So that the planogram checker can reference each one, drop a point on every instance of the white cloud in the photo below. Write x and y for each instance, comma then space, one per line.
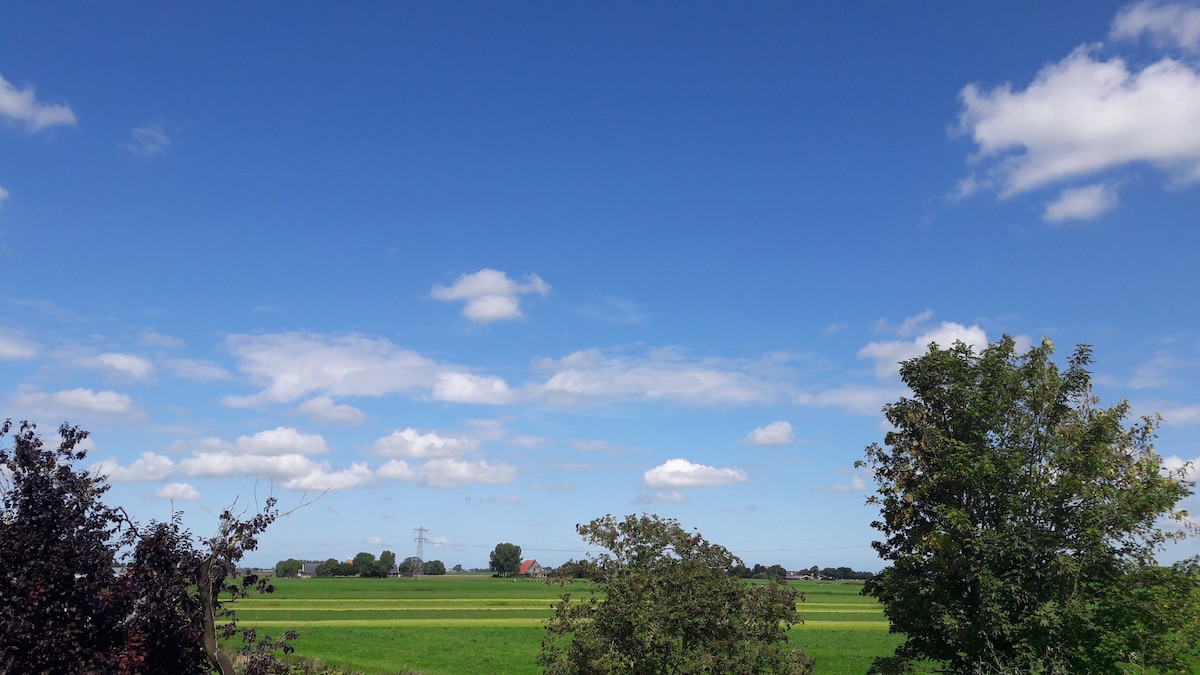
1083, 203
148, 466
490, 295
224, 464
177, 492
281, 454
411, 444
21, 106
1159, 369
1180, 415
446, 472
294, 365
397, 469
775, 433
1177, 463
147, 140
661, 375
282, 441
3, 195
657, 497
909, 327
373, 540
468, 388
13, 347
78, 400
888, 355
322, 479
680, 473
126, 364
856, 484
323, 408
1084, 115
858, 399
1167, 24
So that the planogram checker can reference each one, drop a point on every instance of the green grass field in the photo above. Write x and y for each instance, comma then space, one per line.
471, 624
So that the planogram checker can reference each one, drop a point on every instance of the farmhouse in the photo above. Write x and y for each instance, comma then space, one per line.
531, 568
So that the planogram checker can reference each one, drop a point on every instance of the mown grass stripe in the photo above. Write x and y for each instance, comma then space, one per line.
449, 623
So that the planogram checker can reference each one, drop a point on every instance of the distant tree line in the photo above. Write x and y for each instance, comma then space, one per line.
579, 569
362, 565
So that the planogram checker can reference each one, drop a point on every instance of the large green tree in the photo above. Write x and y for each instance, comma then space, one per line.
1020, 520
505, 559
288, 568
666, 601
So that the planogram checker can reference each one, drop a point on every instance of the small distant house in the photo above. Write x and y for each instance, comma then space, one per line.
531, 568
308, 569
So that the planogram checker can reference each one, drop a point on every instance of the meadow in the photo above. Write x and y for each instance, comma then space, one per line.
476, 624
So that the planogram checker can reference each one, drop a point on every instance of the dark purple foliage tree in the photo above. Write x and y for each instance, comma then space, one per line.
63, 609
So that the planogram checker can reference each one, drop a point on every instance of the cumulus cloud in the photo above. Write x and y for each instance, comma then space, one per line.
281, 453
1180, 415
888, 355
1188, 467
3, 195
680, 473
22, 107
448, 472
225, 464
1169, 25
373, 540
775, 433
1085, 114
453, 473
77, 400
147, 467
323, 408
295, 365
859, 399
411, 444
1083, 203
490, 295
323, 479
856, 484
909, 327
468, 388
282, 441
397, 469
125, 364
14, 347
147, 140
177, 492
660, 375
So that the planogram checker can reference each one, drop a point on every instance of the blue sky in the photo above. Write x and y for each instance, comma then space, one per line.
495, 269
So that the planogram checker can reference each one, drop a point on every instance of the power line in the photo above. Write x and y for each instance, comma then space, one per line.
420, 539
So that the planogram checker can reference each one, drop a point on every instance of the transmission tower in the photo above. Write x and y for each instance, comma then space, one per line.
420, 539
